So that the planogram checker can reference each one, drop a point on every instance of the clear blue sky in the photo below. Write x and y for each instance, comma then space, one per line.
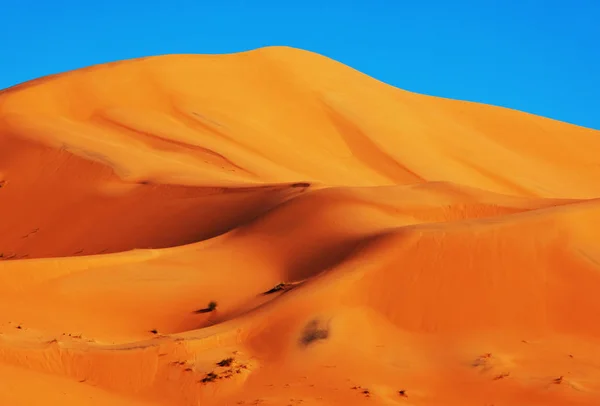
540, 56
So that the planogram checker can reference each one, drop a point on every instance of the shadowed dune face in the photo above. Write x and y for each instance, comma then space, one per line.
275, 228
63, 205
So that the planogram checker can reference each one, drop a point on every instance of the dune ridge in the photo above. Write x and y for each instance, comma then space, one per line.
363, 244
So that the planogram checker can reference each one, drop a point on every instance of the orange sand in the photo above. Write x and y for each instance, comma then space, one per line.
441, 248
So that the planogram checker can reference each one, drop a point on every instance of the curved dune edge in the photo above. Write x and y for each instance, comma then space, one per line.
431, 251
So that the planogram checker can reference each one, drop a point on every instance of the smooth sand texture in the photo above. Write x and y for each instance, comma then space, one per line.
434, 252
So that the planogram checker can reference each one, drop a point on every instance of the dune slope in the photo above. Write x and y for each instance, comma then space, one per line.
363, 244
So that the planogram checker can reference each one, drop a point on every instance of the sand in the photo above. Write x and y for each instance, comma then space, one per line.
364, 245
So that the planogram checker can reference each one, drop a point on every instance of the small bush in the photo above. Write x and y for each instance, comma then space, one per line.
212, 306
210, 377
313, 332
225, 362
276, 288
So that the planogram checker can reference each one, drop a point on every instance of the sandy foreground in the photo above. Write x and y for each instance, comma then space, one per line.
364, 245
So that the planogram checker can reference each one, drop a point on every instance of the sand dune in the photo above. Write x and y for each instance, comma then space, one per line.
363, 244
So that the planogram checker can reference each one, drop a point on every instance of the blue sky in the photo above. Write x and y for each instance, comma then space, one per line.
539, 56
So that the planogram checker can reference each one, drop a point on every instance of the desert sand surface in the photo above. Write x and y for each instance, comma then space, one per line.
364, 245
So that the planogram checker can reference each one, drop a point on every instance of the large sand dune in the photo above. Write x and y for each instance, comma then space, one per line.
364, 245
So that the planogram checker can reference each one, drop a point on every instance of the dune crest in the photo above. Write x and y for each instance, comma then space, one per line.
361, 244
